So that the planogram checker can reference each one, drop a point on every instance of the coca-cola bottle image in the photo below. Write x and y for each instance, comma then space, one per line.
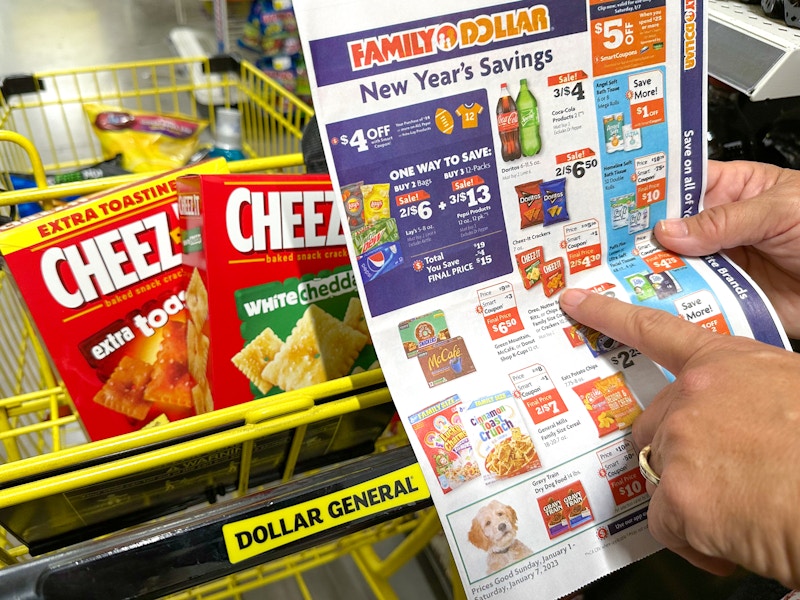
508, 126
528, 120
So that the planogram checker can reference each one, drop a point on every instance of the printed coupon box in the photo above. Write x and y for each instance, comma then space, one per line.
104, 283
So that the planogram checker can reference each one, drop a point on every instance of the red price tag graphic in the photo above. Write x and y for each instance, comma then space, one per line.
498, 305
545, 406
651, 192
504, 323
583, 245
662, 260
651, 179
627, 486
647, 113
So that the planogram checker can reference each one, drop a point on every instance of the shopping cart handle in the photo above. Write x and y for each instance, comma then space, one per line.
187, 550
14, 85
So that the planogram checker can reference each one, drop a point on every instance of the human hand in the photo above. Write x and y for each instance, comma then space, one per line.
752, 211
724, 436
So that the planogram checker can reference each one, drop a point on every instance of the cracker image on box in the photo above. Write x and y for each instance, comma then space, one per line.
499, 436
296, 345
320, 348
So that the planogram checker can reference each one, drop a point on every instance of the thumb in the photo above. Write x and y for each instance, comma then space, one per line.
743, 223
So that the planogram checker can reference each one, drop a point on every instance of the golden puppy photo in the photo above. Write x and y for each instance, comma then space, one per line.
494, 530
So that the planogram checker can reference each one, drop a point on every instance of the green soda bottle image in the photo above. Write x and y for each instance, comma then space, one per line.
528, 120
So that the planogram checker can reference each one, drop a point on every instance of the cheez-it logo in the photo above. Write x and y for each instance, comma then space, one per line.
286, 220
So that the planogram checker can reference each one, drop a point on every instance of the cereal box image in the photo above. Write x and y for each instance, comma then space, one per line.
272, 296
499, 437
440, 431
104, 283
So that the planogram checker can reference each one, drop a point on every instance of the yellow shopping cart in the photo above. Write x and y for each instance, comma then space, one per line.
49, 473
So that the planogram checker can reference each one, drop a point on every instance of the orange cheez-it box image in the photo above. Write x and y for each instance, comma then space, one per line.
104, 283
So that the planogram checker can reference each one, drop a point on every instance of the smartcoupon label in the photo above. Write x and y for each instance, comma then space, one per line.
257, 535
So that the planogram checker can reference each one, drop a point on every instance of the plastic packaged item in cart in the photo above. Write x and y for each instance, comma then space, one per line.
104, 282
146, 140
106, 168
228, 137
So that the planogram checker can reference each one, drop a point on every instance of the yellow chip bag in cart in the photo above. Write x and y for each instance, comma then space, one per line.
147, 141
376, 202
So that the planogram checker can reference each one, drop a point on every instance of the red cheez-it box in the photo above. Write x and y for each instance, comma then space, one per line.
272, 297
105, 286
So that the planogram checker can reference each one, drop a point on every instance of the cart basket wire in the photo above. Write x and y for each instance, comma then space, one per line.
44, 457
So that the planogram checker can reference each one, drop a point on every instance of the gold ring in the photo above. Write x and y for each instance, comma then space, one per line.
646, 469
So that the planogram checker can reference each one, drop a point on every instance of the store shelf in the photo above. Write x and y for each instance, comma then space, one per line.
753, 54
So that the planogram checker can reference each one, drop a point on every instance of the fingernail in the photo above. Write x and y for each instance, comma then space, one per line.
674, 227
571, 298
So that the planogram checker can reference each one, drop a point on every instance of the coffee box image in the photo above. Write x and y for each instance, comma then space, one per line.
272, 298
103, 280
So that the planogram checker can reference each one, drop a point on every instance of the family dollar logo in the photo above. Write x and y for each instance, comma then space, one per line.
443, 37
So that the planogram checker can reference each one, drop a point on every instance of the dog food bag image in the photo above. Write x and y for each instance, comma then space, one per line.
494, 530
565, 509
500, 438
440, 431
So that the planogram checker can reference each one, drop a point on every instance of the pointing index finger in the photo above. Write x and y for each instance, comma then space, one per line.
662, 337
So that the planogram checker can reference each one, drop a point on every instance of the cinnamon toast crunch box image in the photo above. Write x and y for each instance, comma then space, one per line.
272, 297
104, 283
